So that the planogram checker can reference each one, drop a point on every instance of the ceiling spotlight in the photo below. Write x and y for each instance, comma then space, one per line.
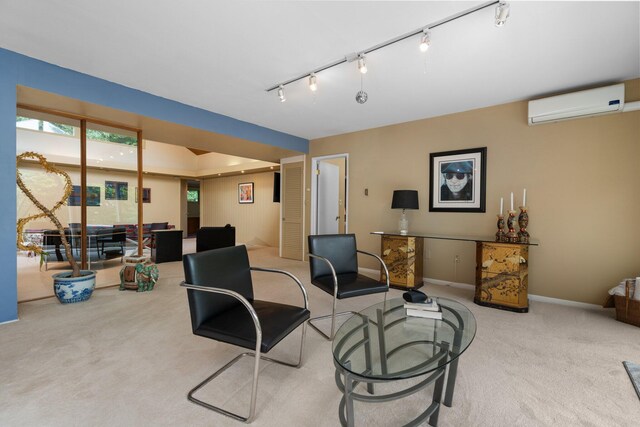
425, 41
281, 93
362, 66
502, 13
313, 83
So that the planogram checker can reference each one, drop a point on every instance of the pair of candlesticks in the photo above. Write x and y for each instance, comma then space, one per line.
511, 236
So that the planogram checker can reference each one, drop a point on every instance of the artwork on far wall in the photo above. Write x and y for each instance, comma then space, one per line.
116, 190
146, 195
245, 192
457, 180
93, 196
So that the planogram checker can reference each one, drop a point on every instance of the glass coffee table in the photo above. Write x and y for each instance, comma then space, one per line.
381, 344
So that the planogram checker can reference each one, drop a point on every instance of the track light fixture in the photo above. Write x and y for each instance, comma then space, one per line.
362, 65
502, 13
425, 40
313, 83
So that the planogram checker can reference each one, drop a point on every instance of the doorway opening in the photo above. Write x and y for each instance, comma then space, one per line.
193, 207
330, 194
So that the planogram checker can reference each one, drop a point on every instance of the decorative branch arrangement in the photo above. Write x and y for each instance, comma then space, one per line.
45, 212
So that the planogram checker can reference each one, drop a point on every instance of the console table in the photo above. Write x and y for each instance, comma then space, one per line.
502, 272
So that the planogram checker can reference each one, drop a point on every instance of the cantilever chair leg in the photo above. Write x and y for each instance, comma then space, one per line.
254, 388
333, 316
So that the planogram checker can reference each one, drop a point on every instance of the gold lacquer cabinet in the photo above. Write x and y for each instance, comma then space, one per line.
502, 276
403, 256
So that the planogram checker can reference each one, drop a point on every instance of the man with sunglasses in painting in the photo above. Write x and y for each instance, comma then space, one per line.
458, 182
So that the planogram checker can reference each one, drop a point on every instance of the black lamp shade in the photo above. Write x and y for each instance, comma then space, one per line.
405, 199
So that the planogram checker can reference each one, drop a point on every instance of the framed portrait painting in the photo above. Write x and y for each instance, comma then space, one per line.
245, 192
458, 180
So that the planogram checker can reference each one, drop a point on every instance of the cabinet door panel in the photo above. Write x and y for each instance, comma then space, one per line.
502, 288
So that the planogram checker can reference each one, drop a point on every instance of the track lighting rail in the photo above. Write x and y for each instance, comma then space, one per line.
355, 56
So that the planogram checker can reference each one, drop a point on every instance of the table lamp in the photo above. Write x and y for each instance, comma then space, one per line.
404, 199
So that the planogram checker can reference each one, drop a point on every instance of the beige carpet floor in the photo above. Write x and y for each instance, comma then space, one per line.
128, 359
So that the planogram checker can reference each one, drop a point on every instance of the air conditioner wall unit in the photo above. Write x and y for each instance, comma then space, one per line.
602, 100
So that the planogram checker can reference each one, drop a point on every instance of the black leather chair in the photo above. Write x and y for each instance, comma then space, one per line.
208, 238
334, 269
223, 308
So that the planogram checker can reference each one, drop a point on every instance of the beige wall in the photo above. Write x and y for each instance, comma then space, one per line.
256, 223
164, 206
581, 177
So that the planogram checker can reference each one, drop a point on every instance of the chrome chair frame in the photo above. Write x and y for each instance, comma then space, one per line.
256, 354
335, 295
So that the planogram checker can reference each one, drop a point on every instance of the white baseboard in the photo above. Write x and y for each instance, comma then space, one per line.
9, 321
540, 298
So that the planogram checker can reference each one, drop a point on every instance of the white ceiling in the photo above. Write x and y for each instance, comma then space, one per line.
222, 55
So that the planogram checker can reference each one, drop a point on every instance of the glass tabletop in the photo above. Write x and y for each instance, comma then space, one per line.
382, 342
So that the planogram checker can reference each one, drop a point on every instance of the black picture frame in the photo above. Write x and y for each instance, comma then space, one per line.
465, 189
245, 192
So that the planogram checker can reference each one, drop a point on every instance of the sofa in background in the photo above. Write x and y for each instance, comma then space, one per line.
215, 237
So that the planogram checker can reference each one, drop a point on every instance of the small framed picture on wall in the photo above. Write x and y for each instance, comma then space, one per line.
245, 192
146, 195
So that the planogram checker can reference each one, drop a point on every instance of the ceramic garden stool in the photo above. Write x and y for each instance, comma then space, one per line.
138, 274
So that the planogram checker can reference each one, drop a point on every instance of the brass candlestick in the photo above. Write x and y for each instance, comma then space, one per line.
500, 235
512, 236
523, 222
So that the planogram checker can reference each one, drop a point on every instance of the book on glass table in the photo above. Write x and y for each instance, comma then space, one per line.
429, 305
426, 314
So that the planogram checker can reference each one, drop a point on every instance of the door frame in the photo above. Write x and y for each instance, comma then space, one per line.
314, 190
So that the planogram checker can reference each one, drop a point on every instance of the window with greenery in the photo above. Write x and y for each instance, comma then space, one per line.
98, 135
193, 196
62, 129
44, 126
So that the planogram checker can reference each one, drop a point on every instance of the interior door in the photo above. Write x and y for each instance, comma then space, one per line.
328, 211
292, 210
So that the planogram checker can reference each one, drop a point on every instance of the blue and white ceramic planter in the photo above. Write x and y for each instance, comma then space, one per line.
74, 289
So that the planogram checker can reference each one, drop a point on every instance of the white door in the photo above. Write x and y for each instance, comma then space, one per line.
328, 198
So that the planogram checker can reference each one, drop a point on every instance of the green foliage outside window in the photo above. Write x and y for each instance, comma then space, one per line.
98, 135
193, 196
